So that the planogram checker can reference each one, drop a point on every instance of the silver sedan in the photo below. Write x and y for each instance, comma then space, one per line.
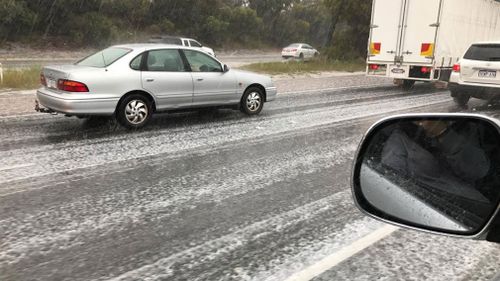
133, 81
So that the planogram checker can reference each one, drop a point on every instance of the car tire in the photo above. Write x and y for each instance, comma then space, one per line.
460, 99
408, 84
252, 101
134, 111
301, 56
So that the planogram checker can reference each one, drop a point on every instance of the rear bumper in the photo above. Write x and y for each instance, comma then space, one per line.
271, 93
408, 71
75, 104
477, 91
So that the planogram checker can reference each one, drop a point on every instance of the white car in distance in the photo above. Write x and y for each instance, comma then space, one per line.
181, 41
299, 51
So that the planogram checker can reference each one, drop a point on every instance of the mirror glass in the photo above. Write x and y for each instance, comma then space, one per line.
437, 173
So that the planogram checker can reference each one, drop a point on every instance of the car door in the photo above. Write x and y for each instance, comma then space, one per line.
166, 76
212, 86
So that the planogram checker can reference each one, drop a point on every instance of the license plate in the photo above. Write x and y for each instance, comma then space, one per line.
487, 74
398, 71
51, 83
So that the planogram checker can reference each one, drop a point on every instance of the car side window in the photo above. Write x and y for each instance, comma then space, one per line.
201, 62
194, 44
168, 60
136, 63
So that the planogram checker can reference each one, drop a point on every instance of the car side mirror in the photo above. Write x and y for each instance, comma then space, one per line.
226, 68
439, 173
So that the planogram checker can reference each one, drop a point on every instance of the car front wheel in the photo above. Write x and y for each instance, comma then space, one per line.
252, 101
134, 111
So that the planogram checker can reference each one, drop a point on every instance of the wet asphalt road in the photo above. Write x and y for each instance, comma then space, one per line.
213, 195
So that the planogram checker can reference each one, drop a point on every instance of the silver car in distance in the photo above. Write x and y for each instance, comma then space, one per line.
133, 81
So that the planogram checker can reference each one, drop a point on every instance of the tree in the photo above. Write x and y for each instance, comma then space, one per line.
353, 16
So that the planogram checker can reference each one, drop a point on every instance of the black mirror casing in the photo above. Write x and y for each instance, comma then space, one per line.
225, 68
416, 200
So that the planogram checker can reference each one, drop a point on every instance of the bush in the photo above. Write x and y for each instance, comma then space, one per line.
343, 47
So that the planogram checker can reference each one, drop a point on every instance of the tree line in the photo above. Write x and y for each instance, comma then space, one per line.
340, 27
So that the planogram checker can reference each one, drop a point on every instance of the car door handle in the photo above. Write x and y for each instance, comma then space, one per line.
149, 80
199, 79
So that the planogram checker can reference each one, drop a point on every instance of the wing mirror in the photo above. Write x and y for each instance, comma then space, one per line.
226, 68
437, 173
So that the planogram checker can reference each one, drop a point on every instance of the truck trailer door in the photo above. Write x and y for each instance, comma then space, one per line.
387, 17
421, 22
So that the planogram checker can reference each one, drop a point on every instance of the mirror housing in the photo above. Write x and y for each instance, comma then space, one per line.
225, 68
438, 173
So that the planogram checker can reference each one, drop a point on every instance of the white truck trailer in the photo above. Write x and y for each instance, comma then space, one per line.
420, 40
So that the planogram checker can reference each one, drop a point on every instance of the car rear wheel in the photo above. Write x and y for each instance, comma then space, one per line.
460, 99
134, 111
252, 101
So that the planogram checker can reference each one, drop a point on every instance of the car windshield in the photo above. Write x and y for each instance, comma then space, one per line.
104, 58
484, 52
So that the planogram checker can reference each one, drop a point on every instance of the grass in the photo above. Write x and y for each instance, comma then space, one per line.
298, 67
21, 79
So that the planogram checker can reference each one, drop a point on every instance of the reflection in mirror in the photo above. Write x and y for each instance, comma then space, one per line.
439, 174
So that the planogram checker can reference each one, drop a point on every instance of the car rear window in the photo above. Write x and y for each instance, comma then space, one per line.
483, 52
104, 58
294, 46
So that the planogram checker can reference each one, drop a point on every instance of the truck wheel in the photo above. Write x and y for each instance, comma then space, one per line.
252, 101
408, 84
134, 111
461, 99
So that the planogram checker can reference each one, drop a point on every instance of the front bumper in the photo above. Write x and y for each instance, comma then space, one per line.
74, 103
271, 93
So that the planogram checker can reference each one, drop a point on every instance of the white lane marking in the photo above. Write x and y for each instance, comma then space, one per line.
334, 89
343, 254
12, 167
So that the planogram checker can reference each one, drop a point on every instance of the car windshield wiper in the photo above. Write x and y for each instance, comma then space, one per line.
494, 59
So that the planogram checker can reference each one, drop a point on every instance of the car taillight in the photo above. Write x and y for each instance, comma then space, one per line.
294, 50
456, 67
373, 66
71, 86
426, 69
43, 81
